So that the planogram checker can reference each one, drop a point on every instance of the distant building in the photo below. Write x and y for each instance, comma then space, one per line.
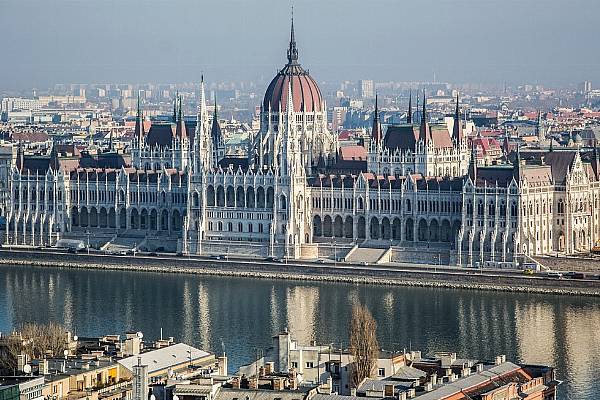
19, 104
367, 88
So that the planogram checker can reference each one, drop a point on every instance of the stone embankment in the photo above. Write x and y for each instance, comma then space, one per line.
343, 273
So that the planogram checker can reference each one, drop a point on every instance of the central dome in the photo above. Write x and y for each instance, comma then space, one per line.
306, 95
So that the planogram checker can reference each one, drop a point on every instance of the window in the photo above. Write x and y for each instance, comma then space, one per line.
309, 364
295, 364
381, 372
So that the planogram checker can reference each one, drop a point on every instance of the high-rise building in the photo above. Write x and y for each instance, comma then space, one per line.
367, 88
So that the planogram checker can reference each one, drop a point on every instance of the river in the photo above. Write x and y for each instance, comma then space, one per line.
241, 314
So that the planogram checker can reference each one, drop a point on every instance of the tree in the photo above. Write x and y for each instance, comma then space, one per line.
364, 346
34, 340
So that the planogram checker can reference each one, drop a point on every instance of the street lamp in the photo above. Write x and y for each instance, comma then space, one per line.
334, 254
87, 232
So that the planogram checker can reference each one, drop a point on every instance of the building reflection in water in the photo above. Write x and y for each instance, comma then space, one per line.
245, 313
301, 306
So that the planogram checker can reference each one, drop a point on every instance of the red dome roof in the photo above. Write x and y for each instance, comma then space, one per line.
305, 92
306, 95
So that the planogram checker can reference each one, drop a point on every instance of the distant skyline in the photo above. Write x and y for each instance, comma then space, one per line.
551, 42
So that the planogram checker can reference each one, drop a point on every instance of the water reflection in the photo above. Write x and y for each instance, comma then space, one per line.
243, 314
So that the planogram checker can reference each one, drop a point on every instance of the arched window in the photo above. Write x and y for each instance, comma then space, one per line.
282, 202
561, 206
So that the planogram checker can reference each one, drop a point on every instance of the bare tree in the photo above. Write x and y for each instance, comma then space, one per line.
364, 346
34, 340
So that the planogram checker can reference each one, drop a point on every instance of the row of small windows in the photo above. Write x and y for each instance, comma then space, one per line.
240, 227
240, 198
491, 208
34, 196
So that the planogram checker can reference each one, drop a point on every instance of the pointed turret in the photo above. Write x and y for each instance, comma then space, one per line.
215, 131
376, 129
292, 53
518, 164
139, 123
473, 163
180, 130
424, 131
457, 128
20, 161
54, 161
539, 129
174, 118
409, 114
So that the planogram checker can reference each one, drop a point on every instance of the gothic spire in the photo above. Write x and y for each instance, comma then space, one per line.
139, 122
409, 115
457, 128
376, 130
473, 162
424, 125
180, 130
215, 131
292, 53
174, 118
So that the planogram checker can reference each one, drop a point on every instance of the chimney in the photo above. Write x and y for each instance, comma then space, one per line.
261, 372
223, 365
388, 391
479, 367
498, 360
43, 367
433, 378
253, 383
411, 393
293, 384
269, 367
293, 378
428, 387
235, 382
402, 396
353, 392
278, 384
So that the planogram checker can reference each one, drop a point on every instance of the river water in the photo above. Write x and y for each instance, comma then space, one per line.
241, 314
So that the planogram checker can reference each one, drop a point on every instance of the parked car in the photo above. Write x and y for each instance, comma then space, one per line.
554, 274
528, 271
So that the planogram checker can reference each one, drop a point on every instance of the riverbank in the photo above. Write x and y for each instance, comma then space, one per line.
304, 271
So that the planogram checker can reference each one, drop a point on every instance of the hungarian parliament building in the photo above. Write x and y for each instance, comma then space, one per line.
419, 192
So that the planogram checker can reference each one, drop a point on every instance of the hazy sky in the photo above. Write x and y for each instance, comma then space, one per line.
483, 41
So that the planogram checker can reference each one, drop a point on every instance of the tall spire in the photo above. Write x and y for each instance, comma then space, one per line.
423, 133
174, 118
457, 128
292, 53
139, 122
180, 130
202, 107
539, 128
473, 162
215, 131
376, 130
409, 115
180, 114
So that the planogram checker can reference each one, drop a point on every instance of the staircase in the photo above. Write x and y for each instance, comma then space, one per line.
367, 255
